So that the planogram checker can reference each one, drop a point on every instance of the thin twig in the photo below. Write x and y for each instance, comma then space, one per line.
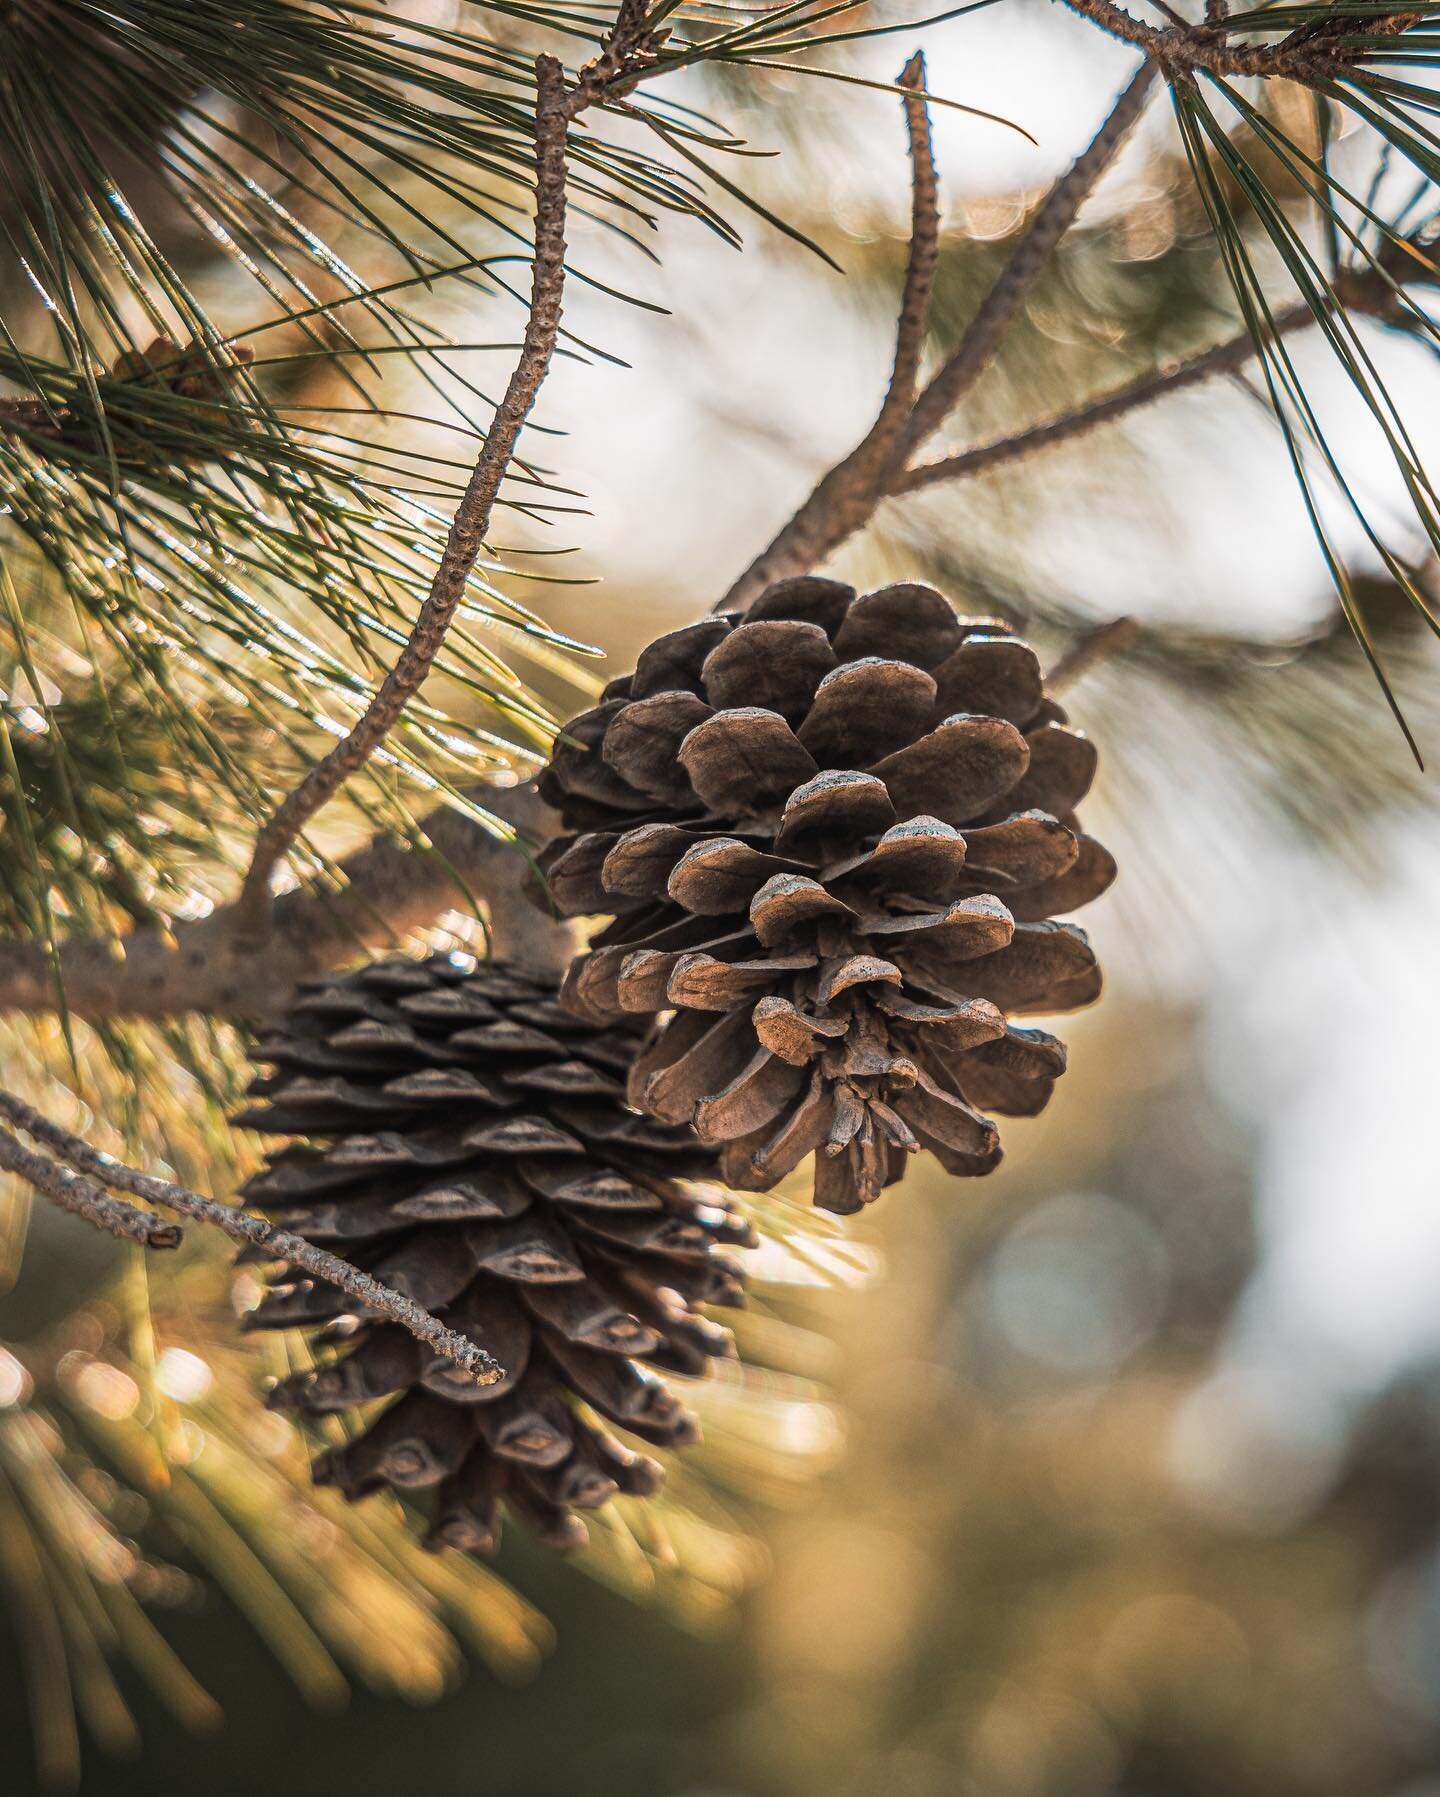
1089, 650
1221, 358
243, 1226
221, 969
472, 516
847, 495
919, 269
1049, 222
626, 55
85, 1198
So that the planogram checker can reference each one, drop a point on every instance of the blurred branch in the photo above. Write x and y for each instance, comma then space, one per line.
1221, 358
847, 496
218, 967
1089, 649
85, 1198
241, 1226
919, 269
1042, 233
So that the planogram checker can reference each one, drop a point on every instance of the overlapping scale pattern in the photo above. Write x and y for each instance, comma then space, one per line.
468, 1142
833, 834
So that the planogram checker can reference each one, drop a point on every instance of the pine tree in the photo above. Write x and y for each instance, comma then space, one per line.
250, 637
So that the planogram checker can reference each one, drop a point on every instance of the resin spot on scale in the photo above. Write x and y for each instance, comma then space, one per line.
468, 1142
833, 834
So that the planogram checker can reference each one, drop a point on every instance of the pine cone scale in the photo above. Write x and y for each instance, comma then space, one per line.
740, 761
991, 676
774, 664
866, 710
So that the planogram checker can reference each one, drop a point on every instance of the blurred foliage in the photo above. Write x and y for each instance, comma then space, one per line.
112, 1447
140, 1471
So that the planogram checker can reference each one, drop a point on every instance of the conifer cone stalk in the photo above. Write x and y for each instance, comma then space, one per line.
468, 1142
833, 832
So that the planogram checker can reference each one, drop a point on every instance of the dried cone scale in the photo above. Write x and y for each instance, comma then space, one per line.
832, 833
468, 1143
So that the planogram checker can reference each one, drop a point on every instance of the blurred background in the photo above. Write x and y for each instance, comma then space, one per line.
1116, 1474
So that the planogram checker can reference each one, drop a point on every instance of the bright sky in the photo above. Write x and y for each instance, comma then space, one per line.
1335, 1057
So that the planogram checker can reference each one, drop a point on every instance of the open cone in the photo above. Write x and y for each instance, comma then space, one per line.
833, 834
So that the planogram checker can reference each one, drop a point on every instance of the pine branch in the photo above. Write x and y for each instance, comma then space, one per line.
848, 495
1312, 53
97, 1170
1089, 650
85, 1198
919, 270
1144, 390
471, 520
221, 969
626, 54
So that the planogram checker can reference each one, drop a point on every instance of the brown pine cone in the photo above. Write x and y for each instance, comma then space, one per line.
469, 1145
138, 441
832, 832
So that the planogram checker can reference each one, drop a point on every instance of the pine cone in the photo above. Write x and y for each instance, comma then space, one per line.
192, 374
831, 832
477, 1155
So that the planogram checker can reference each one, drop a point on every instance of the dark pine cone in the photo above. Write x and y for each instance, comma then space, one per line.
470, 1146
831, 831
